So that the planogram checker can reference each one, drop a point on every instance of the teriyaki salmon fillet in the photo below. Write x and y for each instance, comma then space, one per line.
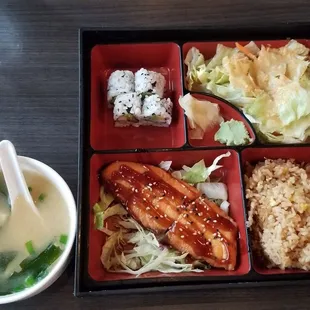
166, 205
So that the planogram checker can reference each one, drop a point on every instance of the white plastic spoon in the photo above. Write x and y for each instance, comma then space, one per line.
24, 222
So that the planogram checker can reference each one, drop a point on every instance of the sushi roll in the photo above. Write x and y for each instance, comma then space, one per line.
127, 110
156, 111
149, 82
120, 82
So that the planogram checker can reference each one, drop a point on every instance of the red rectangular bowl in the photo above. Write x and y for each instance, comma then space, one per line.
253, 156
208, 49
231, 176
160, 57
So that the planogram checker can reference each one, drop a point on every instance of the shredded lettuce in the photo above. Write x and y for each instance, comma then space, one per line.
221, 52
199, 172
271, 85
193, 60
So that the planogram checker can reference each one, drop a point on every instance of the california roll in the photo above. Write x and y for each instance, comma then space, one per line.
120, 82
149, 82
127, 110
156, 111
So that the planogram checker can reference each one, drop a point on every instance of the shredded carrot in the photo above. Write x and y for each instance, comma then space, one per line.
245, 51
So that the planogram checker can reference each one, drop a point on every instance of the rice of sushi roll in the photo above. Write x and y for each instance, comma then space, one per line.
157, 111
120, 82
149, 82
127, 110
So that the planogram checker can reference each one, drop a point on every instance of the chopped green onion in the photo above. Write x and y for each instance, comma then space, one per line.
63, 239
29, 247
42, 197
27, 260
30, 281
33, 269
42, 274
42, 261
30, 189
18, 289
97, 208
99, 220
48, 256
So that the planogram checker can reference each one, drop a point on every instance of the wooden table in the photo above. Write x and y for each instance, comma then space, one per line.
39, 111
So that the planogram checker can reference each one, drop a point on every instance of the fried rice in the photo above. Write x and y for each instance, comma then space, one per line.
278, 193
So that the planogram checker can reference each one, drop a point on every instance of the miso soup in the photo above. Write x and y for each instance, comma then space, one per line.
22, 264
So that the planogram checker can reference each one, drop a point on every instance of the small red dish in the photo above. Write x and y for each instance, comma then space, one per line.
230, 174
228, 112
254, 155
159, 57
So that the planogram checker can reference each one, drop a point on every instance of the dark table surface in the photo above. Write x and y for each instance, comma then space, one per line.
39, 111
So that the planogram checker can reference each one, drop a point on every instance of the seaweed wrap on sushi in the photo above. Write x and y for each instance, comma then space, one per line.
120, 82
127, 110
156, 111
149, 82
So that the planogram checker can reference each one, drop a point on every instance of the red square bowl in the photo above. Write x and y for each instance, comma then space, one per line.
159, 57
230, 173
228, 112
253, 156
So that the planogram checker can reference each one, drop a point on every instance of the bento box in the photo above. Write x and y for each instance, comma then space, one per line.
191, 174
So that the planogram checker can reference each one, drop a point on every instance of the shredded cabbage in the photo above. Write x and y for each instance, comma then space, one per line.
165, 165
98, 220
178, 174
225, 206
108, 248
213, 190
106, 231
117, 209
271, 85
105, 199
153, 256
146, 255
199, 172
103, 210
